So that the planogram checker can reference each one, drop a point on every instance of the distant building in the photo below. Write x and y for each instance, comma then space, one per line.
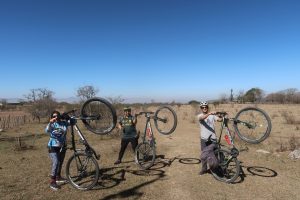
14, 101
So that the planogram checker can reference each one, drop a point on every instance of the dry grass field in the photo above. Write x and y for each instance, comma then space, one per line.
24, 171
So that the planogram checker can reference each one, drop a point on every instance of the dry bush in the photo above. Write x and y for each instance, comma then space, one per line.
282, 147
290, 145
293, 143
289, 118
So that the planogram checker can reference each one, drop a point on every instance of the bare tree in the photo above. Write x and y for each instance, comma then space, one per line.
116, 100
31, 96
290, 94
44, 93
240, 96
87, 92
43, 102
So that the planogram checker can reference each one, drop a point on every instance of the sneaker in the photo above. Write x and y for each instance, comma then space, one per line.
54, 186
117, 162
60, 179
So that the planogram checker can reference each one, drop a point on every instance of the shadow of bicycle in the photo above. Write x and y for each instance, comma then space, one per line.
255, 171
132, 192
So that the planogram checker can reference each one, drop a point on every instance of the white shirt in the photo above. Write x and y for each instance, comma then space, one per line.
207, 126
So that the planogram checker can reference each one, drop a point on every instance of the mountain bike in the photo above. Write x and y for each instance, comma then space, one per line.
165, 121
98, 115
252, 125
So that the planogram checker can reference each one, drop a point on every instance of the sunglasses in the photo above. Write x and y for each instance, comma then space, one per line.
204, 107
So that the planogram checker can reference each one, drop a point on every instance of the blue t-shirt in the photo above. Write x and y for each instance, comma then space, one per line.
57, 132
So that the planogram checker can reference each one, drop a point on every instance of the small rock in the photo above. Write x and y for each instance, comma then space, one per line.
294, 154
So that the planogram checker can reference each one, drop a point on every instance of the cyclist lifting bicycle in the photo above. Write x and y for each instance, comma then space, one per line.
127, 124
251, 124
207, 133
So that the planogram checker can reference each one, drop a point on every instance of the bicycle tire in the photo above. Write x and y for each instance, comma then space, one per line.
165, 120
257, 127
77, 171
229, 167
106, 118
145, 155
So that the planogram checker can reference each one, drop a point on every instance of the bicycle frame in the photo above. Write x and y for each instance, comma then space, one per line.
229, 137
148, 133
228, 134
88, 149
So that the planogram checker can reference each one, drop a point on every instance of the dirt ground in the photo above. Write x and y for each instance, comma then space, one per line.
25, 173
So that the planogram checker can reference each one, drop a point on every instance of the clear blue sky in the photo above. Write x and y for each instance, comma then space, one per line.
152, 49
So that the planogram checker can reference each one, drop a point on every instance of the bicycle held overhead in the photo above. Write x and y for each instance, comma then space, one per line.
165, 121
252, 125
98, 115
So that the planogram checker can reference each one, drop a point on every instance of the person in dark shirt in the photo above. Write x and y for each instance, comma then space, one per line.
127, 124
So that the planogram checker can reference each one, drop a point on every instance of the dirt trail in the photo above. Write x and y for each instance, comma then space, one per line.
24, 174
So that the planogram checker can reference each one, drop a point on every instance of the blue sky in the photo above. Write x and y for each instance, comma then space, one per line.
149, 49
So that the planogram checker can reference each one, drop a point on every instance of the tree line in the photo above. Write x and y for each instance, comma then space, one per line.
257, 95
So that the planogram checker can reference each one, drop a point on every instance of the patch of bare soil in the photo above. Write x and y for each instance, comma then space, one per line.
24, 173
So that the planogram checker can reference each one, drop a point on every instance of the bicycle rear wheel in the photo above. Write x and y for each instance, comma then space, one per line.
98, 115
253, 125
82, 171
145, 155
229, 166
165, 120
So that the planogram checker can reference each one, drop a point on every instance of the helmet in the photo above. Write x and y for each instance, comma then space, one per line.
203, 103
127, 109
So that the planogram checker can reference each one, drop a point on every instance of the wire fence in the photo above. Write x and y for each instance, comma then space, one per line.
11, 121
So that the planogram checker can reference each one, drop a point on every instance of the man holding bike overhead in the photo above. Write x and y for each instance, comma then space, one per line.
207, 132
127, 124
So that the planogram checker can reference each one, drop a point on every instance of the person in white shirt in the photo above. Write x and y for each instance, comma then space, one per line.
207, 130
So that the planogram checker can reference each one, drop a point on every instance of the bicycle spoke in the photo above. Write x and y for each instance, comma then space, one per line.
229, 167
252, 124
98, 115
82, 171
145, 155
165, 120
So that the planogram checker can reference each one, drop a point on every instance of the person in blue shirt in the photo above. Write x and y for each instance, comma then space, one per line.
127, 123
57, 130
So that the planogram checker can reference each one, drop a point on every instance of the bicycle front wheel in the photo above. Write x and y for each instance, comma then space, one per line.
82, 171
229, 166
98, 115
145, 155
253, 125
165, 120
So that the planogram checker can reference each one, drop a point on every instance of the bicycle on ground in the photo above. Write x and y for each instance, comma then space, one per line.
252, 125
165, 121
99, 116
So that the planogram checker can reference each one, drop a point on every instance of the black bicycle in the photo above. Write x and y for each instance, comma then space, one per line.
99, 116
165, 121
252, 125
